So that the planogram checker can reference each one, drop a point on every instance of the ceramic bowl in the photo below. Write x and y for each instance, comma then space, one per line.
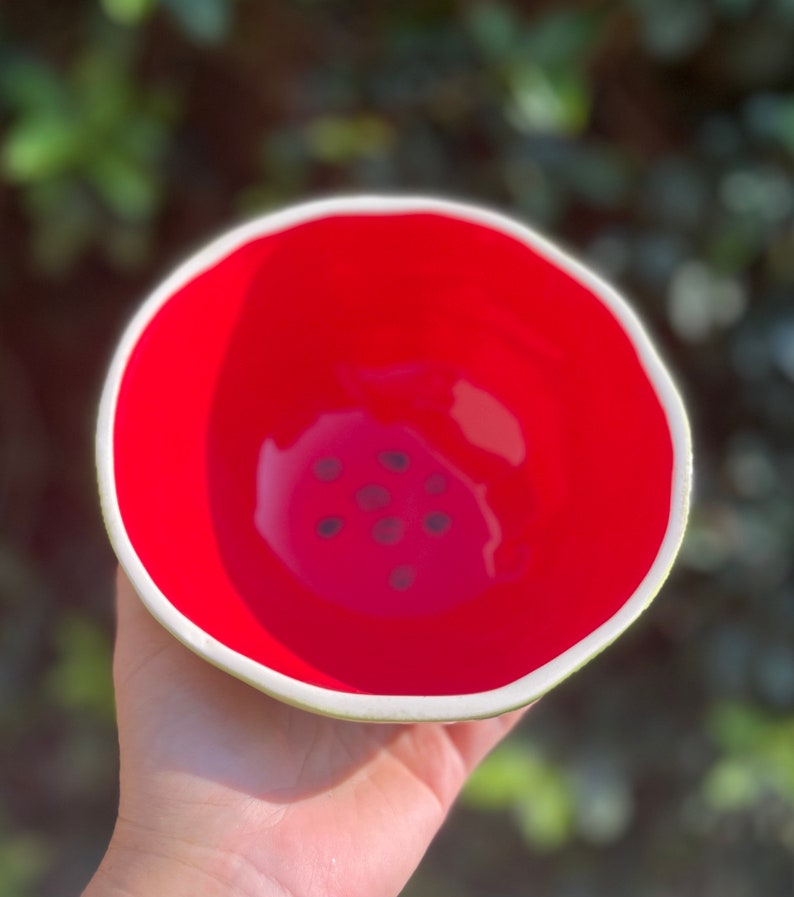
392, 459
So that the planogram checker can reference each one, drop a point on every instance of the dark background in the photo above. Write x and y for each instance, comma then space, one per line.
655, 138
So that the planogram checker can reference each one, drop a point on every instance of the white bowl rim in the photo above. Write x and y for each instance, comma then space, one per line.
394, 708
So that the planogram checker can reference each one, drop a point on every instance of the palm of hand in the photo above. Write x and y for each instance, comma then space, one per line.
259, 797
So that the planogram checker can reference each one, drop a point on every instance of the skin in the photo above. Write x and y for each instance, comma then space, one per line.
225, 791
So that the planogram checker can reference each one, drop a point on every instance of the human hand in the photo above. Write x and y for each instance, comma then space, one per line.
225, 791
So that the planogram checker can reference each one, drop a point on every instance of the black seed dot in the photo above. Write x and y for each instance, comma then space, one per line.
435, 484
328, 527
437, 523
388, 530
373, 497
398, 462
402, 577
327, 469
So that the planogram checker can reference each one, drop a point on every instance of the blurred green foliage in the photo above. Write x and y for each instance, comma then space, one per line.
23, 861
553, 802
756, 763
656, 139
79, 678
86, 148
204, 21
536, 791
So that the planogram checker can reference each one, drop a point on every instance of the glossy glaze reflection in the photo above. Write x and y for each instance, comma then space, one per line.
371, 516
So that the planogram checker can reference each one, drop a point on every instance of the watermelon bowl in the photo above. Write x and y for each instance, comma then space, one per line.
392, 459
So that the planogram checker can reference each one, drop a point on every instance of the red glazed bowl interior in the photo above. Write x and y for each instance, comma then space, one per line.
394, 454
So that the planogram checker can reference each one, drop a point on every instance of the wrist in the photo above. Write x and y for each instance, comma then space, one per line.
135, 865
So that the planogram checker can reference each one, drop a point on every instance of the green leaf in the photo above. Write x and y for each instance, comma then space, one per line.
81, 676
38, 147
539, 794
504, 775
23, 863
338, 139
674, 29
103, 91
547, 102
731, 785
561, 39
31, 85
546, 815
204, 21
127, 12
144, 137
757, 758
130, 190
495, 29
737, 728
